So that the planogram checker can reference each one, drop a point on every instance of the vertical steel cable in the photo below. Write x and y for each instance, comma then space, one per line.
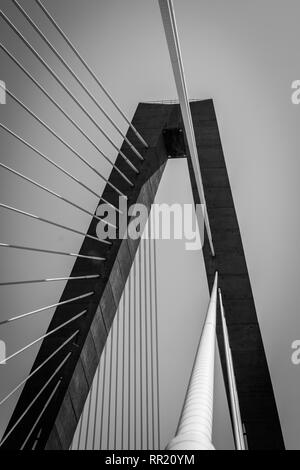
134, 356
156, 333
141, 344
110, 383
123, 370
103, 396
151, 328
234, 401
117, 378
146, 342
129, 360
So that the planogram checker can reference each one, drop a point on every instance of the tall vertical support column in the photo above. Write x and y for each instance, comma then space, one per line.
195, 426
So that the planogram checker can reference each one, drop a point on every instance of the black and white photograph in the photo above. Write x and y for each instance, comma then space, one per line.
149, 228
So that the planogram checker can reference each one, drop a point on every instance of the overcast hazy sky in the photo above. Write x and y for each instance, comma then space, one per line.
244, 56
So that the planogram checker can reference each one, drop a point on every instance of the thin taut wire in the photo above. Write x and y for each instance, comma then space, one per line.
62, 110
88, 68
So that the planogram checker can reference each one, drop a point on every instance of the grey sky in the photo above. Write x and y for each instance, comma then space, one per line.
243, 55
